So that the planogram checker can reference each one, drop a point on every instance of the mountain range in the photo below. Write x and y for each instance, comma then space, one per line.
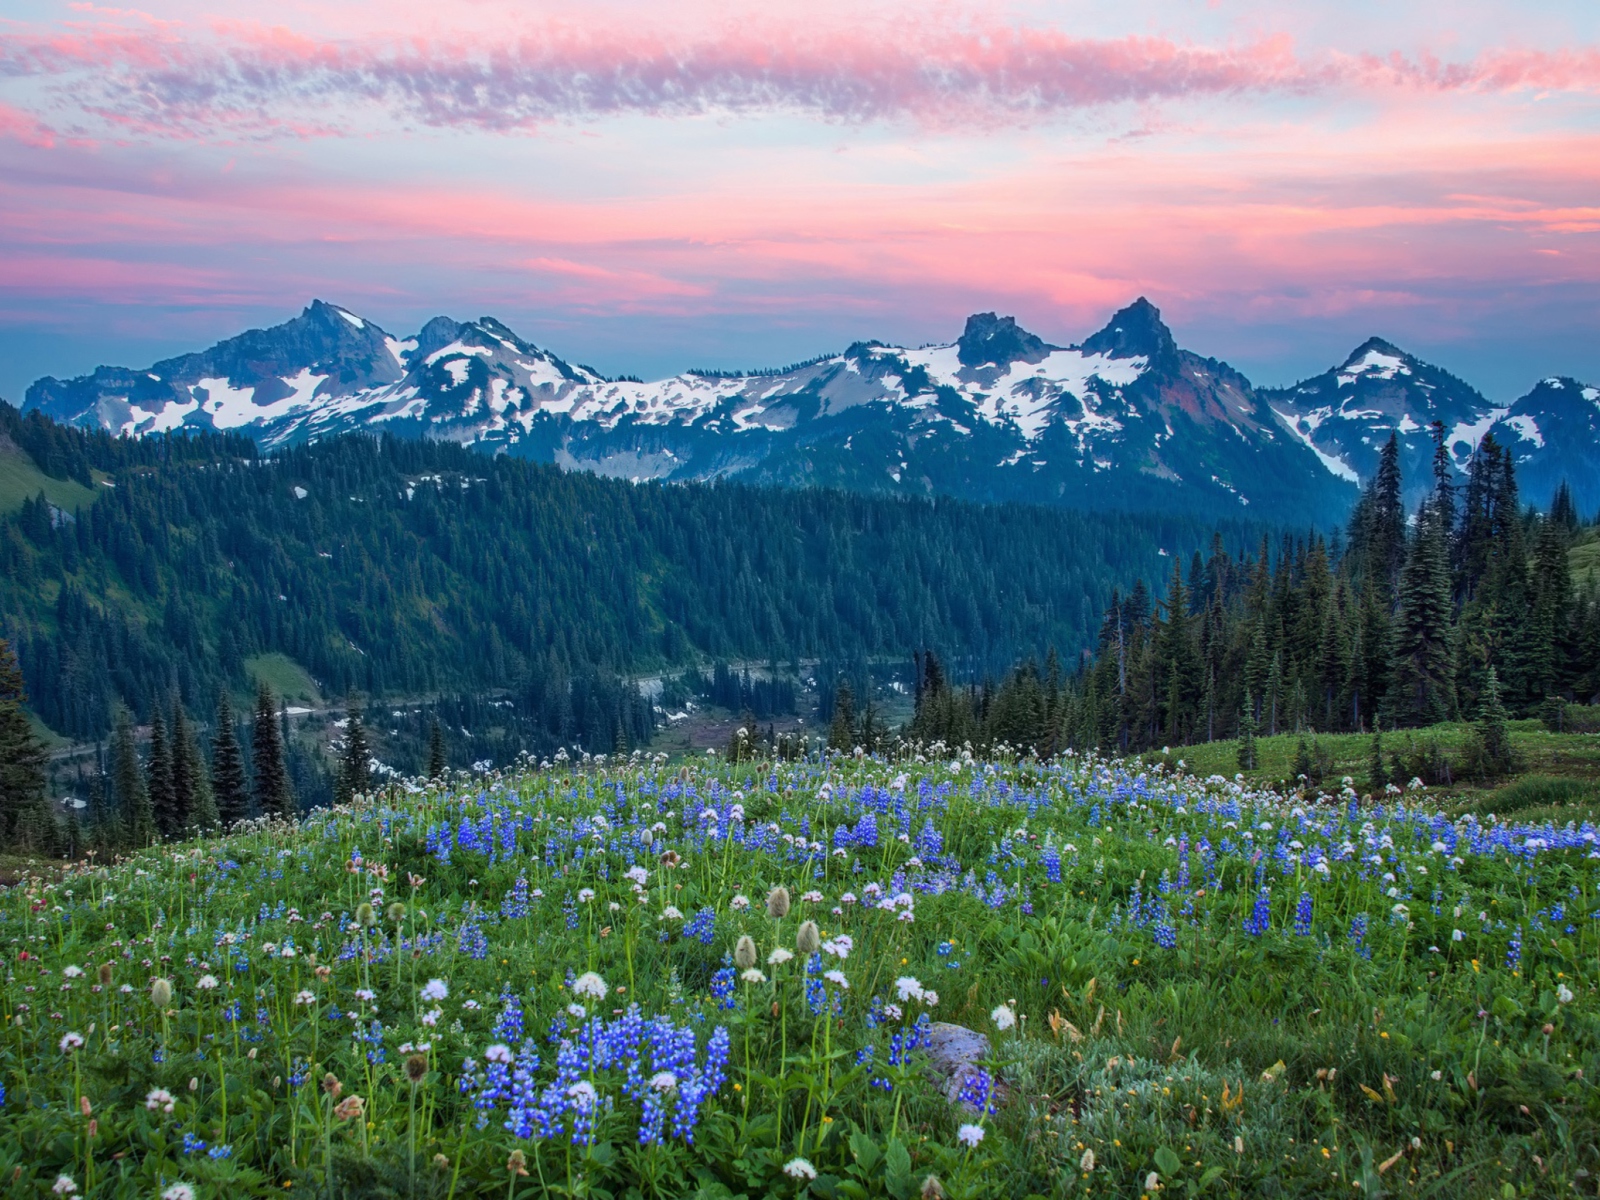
1124, 419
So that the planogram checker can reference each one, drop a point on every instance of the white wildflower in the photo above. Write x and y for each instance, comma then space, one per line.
1003, 1016
800, 1168
590, 985
970, 1135
435, 990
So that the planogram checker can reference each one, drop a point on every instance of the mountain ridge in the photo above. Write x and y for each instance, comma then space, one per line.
1123, 419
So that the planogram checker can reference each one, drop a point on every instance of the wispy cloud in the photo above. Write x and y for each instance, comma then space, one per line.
254, 80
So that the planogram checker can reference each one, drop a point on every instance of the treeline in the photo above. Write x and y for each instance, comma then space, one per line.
1399, 623
420, 569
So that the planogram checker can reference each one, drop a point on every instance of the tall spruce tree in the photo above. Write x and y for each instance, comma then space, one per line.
1492, 738
23, 803
274, 797
1423, 686
189, 782
437, 762
841, 730
138, 817
158, 781
355, 769
229, 787
1247, 734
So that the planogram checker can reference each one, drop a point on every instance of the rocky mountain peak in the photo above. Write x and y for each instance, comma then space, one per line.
998, 340
1134, 331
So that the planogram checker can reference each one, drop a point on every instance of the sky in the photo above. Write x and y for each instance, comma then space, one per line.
648, 187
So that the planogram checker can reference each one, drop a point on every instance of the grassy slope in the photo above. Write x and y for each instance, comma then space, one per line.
1540, 750
20, 480
287, 678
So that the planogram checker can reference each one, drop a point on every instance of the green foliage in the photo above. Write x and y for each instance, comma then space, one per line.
24, 817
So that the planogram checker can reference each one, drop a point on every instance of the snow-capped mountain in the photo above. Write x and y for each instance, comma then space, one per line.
1347, 414
1124, 419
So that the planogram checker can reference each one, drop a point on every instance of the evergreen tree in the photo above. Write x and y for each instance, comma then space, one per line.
1303, 770
1492, 748
229, 787
437, 763
132, 797
1377, 777
841, 730
1247, 734
274, 797
158, 781
23, 803
355, 765
189, 783
1423, 686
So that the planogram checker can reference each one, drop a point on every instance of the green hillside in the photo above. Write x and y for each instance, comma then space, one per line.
21, 480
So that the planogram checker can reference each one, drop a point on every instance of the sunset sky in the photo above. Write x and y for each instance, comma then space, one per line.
650, 187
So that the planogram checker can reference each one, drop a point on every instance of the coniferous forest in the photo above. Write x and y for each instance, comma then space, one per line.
1400, 620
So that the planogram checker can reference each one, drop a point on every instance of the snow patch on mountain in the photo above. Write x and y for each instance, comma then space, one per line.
1336, 466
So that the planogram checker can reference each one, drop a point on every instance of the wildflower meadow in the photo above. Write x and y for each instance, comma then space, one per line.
628, 978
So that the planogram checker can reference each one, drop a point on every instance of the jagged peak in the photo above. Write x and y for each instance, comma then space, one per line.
991, 339
1134, 331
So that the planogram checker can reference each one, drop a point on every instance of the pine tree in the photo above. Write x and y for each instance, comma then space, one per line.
841, 731
22, 756
437, 763
1423, 685
1247, 734
158, 781
1377, 777
355, 769
1303, 770
137, 815
189, 783
274, 797
1493, 739
229, 787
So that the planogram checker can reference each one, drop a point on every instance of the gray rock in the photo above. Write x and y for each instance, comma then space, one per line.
955, 1053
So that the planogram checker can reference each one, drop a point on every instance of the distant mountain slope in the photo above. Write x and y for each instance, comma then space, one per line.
1125, 419
1347, 413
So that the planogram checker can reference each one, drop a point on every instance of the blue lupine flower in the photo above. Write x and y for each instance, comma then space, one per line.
1302, 915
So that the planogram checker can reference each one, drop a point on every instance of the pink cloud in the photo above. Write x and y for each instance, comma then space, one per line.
22, 127
239, 79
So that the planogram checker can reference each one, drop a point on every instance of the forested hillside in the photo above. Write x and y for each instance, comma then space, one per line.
414, 568
1465, 607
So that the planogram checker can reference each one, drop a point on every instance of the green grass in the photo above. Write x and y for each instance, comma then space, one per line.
1538, 750
287, 678
20, 480
1585, 559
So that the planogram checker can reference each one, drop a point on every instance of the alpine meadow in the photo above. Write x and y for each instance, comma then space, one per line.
815, 602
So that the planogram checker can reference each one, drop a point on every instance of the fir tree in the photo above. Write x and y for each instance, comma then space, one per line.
158, 781
1423, 686
189, 783
22, 756
841, 730
274, 797
229, 787
1492, 747
137, 815
437, 763
1247, 734
355, 767
1377, 777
